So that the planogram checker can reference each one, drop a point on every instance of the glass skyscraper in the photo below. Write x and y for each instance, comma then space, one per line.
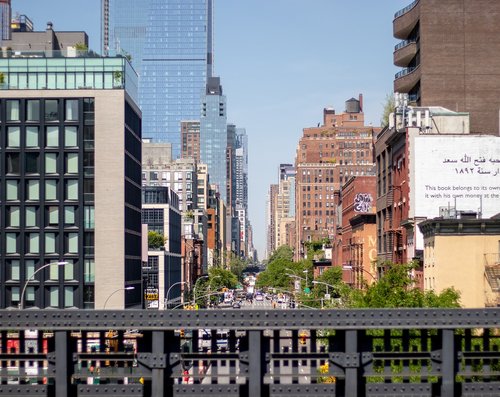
214, 135
173, 41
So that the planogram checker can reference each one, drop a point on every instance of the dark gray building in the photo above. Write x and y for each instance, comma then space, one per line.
71, 184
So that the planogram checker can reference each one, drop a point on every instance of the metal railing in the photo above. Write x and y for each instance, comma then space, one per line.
406, 9
404, 43
405, 72
383, 352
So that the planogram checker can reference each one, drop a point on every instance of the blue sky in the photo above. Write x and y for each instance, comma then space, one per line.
280, 62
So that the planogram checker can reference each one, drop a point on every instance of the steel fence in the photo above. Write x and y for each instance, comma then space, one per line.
386, 352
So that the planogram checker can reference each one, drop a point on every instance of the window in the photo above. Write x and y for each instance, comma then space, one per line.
33, 243
32, 163
52, 136
13, 110
50, 163
53, 215
70, 136
72, 163
13, 136
30, 219
29, 294
89, 217
71, 110
50, 243
72, 189
33, 190
69, 215
54, 271
32, 136
10, 243
69, 270
51, 110
89, 271
68, 296
15, 294
12, 190
72, 243
13, 216
29, 266
13, 166
50, 189
33, 110
53, 296
14, 270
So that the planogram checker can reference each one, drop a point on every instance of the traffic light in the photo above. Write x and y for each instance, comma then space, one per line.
182, 334
303, 338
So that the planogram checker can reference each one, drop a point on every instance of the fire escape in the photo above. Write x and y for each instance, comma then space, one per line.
393, 231
492, 274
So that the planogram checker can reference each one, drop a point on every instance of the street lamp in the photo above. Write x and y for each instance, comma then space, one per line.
194, 287
327, 285
173, 285
349, 267
21, 301
130, 288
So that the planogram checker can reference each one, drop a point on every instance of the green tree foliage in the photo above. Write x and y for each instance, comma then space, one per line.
237, 265
388, 109
155, 240
284, 252
396, 289
219, 278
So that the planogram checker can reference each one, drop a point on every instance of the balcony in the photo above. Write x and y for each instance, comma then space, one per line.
406, 79
406, 19
404, 52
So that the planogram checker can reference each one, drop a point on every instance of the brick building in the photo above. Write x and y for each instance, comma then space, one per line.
450, 58
359, 234
327, 157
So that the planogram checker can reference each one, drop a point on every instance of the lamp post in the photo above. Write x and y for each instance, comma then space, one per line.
173, 285
194, 287
21, 301
130, 288
349, 267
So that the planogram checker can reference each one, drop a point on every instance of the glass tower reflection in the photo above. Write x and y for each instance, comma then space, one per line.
173, 41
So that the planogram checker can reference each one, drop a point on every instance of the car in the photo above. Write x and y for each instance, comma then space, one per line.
236, 305
259, 297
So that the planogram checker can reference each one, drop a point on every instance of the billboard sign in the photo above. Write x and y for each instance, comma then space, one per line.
460, 172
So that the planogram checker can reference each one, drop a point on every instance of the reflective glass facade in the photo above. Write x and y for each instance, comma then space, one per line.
173, 39
127, 28
214, 137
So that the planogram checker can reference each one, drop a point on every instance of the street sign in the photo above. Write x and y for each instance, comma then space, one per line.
307, 290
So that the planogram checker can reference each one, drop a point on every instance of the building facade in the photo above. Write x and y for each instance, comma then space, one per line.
327, 157
359, 248
163, 271
5, 17
213, 135
449, 59
170, 43
463, 253
71, 189
190, 138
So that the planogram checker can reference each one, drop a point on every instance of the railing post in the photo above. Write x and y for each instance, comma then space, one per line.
448, 363
64, 364
158, 373
255, 363
353, 384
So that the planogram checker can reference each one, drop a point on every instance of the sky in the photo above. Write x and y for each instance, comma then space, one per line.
280, 63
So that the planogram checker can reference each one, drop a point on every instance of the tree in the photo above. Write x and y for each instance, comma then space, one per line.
236, 266
389, 105
396, 289
284, 251
155, 240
